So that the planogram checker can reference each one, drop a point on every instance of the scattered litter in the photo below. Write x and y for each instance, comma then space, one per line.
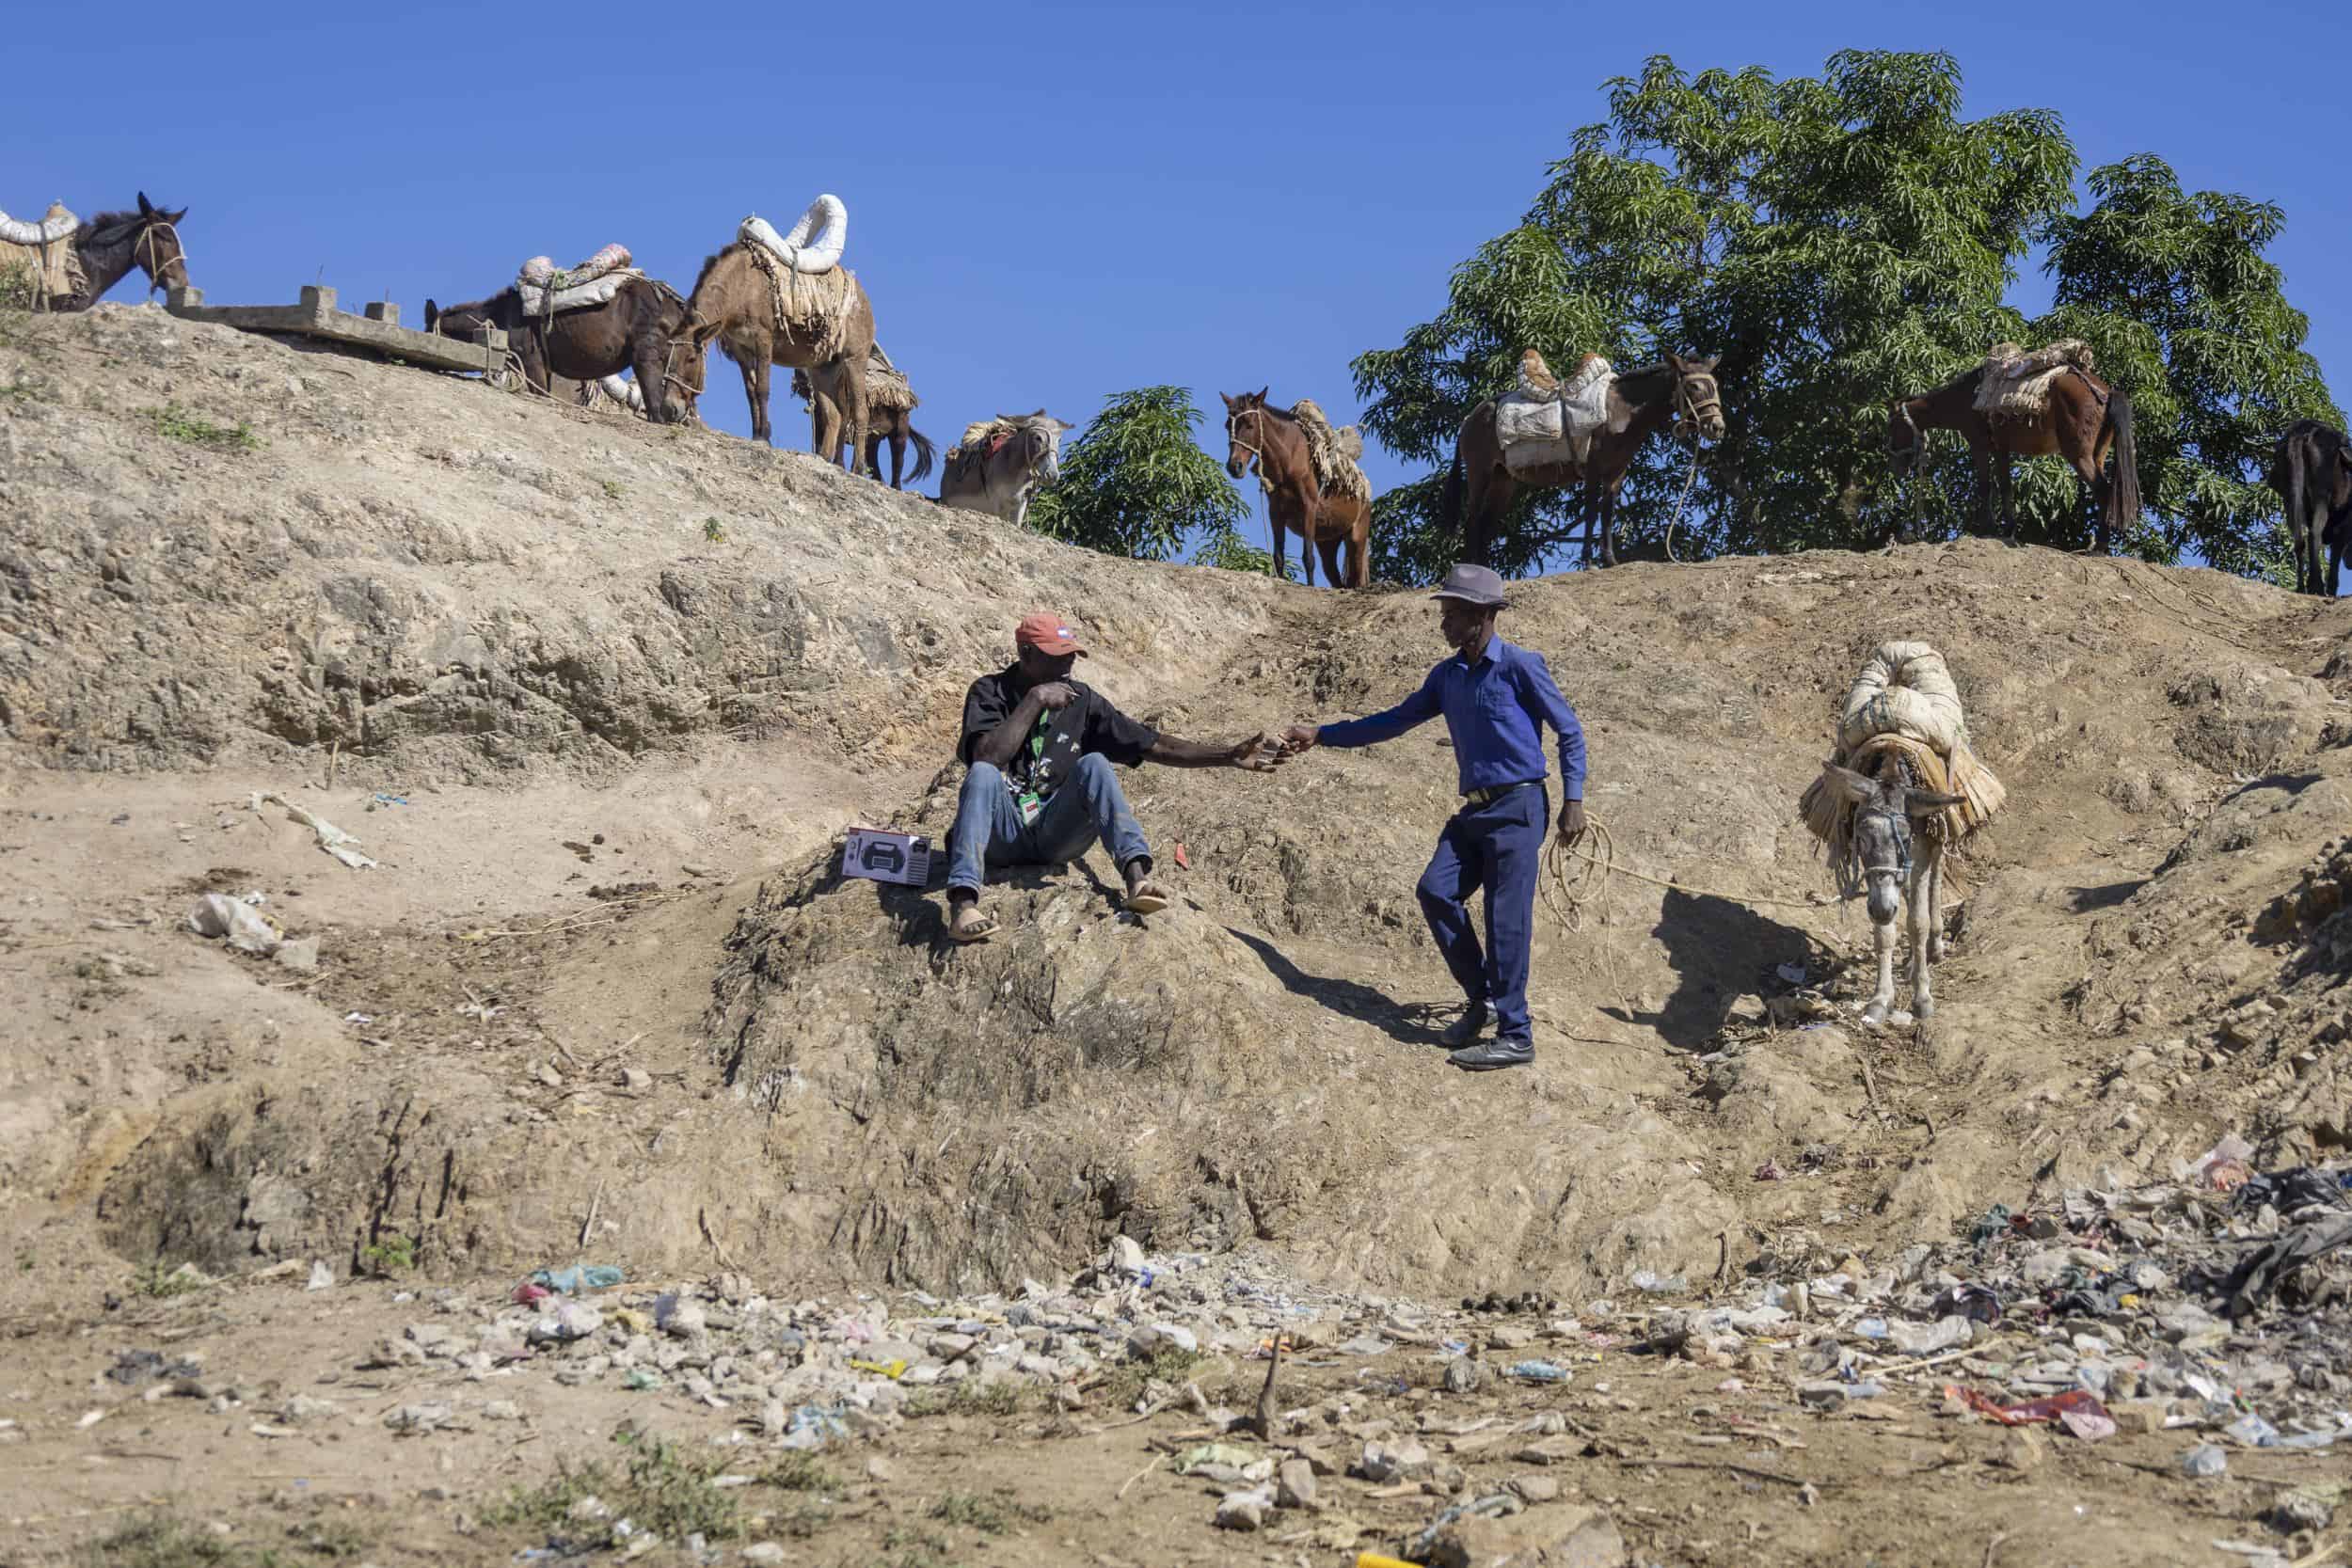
1540, 1372
577, 1277
218, 915
332, 839
2206, 1459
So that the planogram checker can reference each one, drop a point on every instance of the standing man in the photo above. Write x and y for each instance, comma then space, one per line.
1496, 699
1041, 789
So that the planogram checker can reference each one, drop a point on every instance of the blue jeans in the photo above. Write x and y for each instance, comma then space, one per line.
1499, 847
989, 832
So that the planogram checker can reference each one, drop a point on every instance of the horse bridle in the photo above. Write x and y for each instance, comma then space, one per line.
1689, 406
1900, 829
1232, 433
145, 250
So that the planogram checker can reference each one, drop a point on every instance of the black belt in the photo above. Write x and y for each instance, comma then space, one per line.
1488, 797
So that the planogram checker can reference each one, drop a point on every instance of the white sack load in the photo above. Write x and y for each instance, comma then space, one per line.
624, 392
1541, 431
553, 301
816, 242
1906, 688
58, 225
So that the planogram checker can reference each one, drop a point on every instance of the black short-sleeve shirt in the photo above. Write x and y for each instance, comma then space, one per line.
1090, 724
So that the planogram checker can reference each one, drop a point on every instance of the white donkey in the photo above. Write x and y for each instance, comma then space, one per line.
999, 466
1897, 867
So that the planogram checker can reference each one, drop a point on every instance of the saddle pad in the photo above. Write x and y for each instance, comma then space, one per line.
541, 272
552, 302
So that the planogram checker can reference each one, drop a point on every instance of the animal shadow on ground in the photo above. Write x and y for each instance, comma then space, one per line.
1720, 950
2089, 898
1405, 1024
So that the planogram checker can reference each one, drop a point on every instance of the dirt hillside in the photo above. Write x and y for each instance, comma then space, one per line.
600, 697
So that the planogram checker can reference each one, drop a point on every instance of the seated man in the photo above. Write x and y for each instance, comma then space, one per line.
1041, 789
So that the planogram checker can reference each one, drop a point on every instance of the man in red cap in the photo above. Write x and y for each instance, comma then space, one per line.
1042, 788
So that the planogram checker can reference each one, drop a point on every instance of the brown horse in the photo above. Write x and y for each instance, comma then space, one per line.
1272, 439
1641, 404
890, 404
2082, 419
107, 246
644, 326
735, 303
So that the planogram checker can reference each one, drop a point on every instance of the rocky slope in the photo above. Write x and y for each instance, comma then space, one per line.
394, 582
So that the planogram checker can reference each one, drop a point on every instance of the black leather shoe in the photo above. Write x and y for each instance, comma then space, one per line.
1465, 1030
1506, 1051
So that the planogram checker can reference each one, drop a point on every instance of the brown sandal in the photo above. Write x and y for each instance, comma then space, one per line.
979, 930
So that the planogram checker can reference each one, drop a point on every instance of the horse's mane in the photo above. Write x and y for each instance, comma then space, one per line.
129, 219
1968, 377
709, 262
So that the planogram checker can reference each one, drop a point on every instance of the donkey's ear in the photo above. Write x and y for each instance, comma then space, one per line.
1706, 366
1927, 802
1064, 424
179, 216
146, 210
432, 313
1847, 784
1264, 390
1229, 402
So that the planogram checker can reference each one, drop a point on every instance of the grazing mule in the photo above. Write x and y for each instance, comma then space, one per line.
1274, 439
107, 246
1640, 403
2082, 419
644, 326
1003, 471
2312, 474
887, 417
1898, 868
735, 304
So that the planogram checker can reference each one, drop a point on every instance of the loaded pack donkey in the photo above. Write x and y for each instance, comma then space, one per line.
1902, 871
1000, 462
73, 262
2312, 474
634, 322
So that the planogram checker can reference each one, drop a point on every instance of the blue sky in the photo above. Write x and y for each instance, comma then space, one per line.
1047, 203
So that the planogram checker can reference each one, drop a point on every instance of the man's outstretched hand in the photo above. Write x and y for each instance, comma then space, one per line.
1571, 824
1297, 739
1260, 753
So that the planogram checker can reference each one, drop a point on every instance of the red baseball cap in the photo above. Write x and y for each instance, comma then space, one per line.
1047, 633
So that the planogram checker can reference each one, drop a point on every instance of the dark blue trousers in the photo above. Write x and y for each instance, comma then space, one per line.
1499, 847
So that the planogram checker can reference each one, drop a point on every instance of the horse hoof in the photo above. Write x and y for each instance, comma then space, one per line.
1874, 1016
1923, 1007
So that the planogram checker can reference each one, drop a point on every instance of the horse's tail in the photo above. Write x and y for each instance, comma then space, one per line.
924, 453
2127, 487
1450, 497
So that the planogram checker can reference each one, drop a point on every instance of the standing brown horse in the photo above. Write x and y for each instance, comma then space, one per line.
644, 326
739, 303
2082, 419
106, 248
1640, 403
1273, 438
890, 404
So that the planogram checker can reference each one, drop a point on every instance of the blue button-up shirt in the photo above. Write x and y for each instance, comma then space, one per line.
1495, 710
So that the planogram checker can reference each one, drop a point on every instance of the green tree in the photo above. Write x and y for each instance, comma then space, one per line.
2184, 313
1136, 482
1834, 240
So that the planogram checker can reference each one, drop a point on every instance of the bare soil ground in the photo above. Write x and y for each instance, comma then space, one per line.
623, 747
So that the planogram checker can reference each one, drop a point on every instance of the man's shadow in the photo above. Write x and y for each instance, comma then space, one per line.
1349, 998
1720, 950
